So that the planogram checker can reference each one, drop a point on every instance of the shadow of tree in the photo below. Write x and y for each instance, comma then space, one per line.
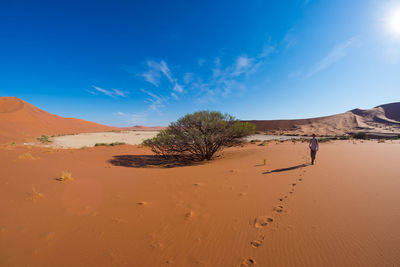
152, 161
288, 168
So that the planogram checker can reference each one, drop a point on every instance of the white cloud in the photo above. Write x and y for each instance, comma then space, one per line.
289, 40
119, 92
165, 70
132, 118
112, 93
174, 96
224, 79
188, 77
338, 52
155, 102
242, 64
178, 88
268, 49
153, 75
156, 70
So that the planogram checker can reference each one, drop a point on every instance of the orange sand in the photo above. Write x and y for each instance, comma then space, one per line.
343, 211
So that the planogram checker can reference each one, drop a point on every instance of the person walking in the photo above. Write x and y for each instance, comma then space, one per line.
313, 148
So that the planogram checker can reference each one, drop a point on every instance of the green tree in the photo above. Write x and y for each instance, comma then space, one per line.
200, 135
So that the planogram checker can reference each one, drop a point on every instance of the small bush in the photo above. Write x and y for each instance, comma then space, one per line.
12, 143
324, 140
255, 141
117, 144
200, 135
360, 135
44, 139
110, 144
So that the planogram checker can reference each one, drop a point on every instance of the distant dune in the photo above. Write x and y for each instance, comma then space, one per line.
143, 128
20, 120
383, 120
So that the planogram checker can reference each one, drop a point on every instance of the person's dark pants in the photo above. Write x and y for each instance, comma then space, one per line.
313, 154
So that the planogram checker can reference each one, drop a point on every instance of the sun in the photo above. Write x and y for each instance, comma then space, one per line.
393, 21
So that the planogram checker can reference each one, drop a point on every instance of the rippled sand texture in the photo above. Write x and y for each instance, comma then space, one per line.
123, 207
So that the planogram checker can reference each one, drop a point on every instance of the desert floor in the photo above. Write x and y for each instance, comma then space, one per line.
129, 137
125, 208
90, 139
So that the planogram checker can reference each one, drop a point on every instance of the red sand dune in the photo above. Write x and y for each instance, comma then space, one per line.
381, 120
20, 120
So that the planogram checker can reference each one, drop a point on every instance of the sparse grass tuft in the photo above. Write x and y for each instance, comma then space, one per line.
26, 156
44, 139
263, 143
12, 143
65, 176
110, 144
35, 195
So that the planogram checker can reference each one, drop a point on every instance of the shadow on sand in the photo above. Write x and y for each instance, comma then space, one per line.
288, 169
151, 161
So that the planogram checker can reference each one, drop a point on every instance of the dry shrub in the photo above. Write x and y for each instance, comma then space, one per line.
35, 195
26, 156
65, 176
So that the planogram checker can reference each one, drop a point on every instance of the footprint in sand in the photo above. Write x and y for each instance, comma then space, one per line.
189, 215
261, 221
118, 220
258, 242
157, 245
247, 262
293, 185
278, 209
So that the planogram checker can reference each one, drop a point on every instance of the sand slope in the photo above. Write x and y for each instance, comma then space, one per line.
381, 120
232, 211
20, 120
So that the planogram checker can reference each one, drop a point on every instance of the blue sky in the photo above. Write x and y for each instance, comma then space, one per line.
125, 63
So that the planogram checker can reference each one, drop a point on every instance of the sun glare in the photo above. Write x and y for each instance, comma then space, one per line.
393, 21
